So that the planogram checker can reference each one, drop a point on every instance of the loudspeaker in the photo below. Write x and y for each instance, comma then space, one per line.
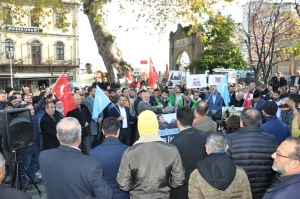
16, 128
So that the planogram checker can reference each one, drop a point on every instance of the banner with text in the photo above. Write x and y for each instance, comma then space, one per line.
167, 126
214, 79
196, 81
175, 77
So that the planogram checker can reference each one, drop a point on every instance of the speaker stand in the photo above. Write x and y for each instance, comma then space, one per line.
17, 180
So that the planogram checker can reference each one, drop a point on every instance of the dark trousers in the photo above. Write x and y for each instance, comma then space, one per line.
124, 136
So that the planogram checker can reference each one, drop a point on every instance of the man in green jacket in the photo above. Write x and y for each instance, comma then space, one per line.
187, 101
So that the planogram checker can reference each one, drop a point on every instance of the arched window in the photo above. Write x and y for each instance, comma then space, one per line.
9, 49
60, 51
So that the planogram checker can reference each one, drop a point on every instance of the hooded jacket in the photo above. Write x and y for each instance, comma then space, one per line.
150, 167
218, 177
206, 125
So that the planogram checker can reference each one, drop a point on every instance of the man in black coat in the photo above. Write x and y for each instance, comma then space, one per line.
190, 143
116, 84
251, 149
84, 117
104, 84
69, 174
48, 127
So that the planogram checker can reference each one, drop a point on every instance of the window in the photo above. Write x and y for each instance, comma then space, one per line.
9, 49
8, 18
60, 51
58, 20
33, 24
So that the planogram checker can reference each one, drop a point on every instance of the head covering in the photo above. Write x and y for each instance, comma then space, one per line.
6, 104
270, 108
255, 95
147, 123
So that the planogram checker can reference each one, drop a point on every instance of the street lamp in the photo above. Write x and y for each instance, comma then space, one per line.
10, 54
117, 33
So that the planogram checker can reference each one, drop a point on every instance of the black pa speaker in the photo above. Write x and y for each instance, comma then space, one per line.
16, 128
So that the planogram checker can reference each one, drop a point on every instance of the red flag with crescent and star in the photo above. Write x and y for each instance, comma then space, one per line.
63, 92
153, 76
247, 102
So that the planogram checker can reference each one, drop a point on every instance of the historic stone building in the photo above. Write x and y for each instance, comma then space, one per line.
37, 59
181, 42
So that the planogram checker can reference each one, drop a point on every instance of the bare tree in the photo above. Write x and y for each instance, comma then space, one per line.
268, 32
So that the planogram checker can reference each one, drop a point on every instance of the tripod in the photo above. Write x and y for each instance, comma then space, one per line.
17, 181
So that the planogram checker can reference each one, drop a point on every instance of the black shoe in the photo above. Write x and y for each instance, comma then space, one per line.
7, 180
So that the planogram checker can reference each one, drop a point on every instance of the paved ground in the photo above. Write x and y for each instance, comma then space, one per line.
35, 194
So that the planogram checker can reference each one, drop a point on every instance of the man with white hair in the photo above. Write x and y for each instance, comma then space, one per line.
75, 175
217, 175
5, 191
145, 105
237, 101
287, 163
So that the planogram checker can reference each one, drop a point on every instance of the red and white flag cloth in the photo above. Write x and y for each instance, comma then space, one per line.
62, 91
247, 102
153, 75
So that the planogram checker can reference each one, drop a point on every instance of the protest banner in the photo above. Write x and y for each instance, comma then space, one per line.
167, 126
176, 76
196, 81
214, 79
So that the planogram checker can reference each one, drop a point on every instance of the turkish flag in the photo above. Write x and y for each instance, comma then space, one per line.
167, 71
128, 74
247, 102
62, 91
153, 75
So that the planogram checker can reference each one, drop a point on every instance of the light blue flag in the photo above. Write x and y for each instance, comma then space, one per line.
223, 90
100, 102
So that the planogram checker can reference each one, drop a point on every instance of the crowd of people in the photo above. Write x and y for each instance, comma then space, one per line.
120, 154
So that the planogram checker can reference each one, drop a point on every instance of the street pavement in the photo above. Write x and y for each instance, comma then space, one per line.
35, 194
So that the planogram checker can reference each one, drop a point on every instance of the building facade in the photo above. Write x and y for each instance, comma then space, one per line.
35, 57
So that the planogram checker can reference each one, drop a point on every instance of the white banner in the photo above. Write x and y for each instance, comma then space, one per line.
196, 81
176, 76
214, 79
232, 77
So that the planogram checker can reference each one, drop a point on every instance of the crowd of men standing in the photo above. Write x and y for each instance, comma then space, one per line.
120, 155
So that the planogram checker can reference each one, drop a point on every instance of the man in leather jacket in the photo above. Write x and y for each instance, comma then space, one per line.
150, 167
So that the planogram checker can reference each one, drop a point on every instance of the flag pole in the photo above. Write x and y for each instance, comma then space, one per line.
58, 78
116, 107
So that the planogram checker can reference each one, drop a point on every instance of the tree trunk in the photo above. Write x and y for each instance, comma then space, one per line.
111, 54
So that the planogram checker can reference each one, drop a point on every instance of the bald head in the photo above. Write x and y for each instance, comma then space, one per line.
69, 132
201, 108
77, 99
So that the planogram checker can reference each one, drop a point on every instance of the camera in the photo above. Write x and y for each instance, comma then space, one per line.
283, 106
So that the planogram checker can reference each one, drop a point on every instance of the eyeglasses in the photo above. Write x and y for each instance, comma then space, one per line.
278, 154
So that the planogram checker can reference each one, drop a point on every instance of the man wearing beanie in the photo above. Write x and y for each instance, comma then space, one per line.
272, 125
151, 167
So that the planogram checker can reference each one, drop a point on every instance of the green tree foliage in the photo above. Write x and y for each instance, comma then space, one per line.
220, 50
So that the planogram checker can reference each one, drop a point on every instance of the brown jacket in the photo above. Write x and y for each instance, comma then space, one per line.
239, 188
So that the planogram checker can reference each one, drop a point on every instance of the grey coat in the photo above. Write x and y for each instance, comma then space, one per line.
287, 118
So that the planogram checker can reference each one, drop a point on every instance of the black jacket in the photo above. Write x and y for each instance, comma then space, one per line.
191, 146
115, 85
48, 127
251, 149
82, 117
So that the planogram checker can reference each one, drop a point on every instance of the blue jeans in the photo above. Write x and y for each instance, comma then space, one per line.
30, 162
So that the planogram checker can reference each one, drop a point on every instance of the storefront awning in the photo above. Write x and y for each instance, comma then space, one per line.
36, 75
